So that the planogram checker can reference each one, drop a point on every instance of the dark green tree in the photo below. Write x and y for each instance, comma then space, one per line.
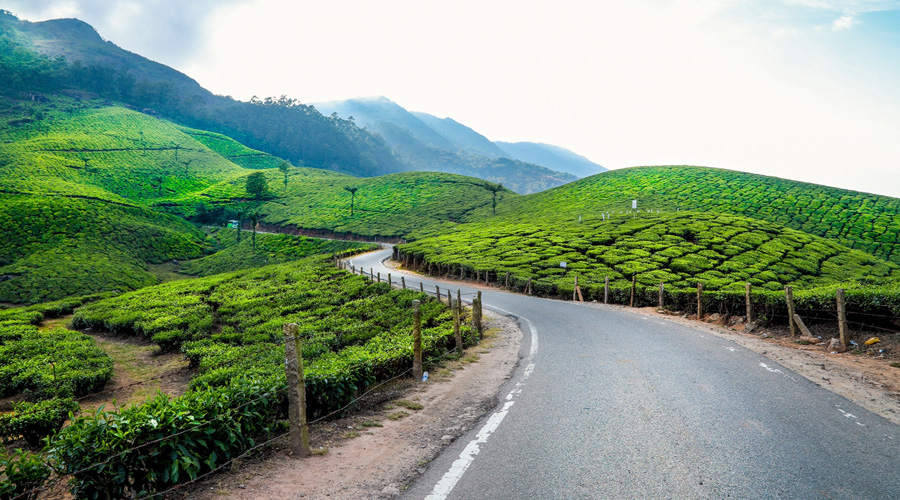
257, 185
254, 219
284, 167
352, 190
494, 189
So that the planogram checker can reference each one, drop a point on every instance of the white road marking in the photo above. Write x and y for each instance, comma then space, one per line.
443, 487
732, 349
769, 368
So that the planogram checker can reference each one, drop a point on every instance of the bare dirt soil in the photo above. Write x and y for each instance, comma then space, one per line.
384, 445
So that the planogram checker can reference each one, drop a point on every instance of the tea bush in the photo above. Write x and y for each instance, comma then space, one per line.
20, 474
35, 421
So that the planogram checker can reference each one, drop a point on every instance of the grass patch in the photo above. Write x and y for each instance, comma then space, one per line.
397, 415
409, 405
371, 423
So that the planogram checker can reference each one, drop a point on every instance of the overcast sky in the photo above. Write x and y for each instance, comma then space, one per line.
802, 89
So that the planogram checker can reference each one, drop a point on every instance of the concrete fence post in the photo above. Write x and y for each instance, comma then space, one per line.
789, 298
843, 327
293, 367
417, 341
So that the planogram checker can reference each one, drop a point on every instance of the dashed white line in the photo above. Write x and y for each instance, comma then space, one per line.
443, 487
769, 368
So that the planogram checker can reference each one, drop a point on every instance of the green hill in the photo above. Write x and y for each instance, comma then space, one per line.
68, 55
315, 200
54, 247
90, 149
679, 249
867, 222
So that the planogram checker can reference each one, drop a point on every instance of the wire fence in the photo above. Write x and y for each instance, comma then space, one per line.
369, 392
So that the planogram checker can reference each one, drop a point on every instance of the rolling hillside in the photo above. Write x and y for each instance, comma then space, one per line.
69, 56
867, 222
390, 206
679, 249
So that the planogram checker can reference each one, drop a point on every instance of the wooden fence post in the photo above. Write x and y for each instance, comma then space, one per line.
633, 283
575, 290
606, 291
449, 298
789, 297
843, 327
662, 291
528, 287
437, 292
293, 367
390, 282
379, 276
417, 341
699, 301
372, 274
403, 281
749, 304
422, 287
507, 280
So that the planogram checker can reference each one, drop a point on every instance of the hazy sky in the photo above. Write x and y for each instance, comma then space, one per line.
802, 89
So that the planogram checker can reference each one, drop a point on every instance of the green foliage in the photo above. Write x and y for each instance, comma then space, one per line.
230, 327
166, 441
35, 421
257, 186
270, 249
723, 252
45, 364
867, 222
57, 247
20, 473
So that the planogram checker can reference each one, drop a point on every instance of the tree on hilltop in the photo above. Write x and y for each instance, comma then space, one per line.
352, 190
257, 185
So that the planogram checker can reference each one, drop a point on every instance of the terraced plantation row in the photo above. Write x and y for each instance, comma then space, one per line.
229, 326
867, 222
678, 249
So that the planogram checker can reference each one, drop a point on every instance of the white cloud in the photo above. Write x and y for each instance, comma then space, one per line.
844, 22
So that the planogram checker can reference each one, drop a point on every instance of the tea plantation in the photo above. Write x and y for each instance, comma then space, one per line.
680, 250
86, 148
54, 247
389, 206
866, 222
263, 249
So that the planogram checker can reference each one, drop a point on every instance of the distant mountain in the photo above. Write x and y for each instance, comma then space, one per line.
373, 112
462, 137
550, 156
428, 143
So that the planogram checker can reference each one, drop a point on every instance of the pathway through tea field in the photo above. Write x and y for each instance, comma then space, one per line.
610, 404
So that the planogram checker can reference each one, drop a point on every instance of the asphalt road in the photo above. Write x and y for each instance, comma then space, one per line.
611, 404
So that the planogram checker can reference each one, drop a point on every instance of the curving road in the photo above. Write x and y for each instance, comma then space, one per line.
610, 404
